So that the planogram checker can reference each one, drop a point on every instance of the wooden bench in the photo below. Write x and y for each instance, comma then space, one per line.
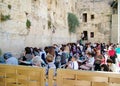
34, 76
86, 78
21, 76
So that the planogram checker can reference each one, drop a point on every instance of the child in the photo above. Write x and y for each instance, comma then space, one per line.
50, 63
73, 64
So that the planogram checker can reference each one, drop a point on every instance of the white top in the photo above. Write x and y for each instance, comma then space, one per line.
114, 68
42, 52
81, 47
12, 61
74, 65
91, 60
118, 60
89, 49
106, 57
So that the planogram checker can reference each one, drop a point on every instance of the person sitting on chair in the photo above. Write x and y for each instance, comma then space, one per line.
9, 59
73, 64
88, 64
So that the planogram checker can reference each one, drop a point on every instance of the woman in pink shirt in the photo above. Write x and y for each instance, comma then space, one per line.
112, 54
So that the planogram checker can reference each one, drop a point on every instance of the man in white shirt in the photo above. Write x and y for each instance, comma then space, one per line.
73, 63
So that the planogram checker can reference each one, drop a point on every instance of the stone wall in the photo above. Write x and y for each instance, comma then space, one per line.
101, 24
15, 36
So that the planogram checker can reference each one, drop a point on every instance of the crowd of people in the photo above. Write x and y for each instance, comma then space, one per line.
76, 56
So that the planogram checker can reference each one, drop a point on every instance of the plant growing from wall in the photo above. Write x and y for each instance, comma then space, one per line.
5, 17
9, 6
53, 13
73, 22
56, 2
49, 24
28, 24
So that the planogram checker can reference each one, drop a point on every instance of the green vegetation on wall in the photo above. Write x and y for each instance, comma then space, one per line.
28, 24
73, 22
49, 24
9, 6
5, 17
